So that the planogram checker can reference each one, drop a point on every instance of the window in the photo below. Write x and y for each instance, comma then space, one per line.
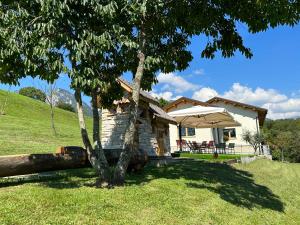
230, 133
187, 131
191, 131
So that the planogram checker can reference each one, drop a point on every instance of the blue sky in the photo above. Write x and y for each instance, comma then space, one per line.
271, 79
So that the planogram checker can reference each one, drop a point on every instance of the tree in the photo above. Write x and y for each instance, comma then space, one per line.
33, 92
163, 102
102, 39
49, 91
283, 137
65, 106
162, 30
254, 140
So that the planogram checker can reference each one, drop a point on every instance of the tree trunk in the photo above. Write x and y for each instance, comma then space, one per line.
129, 145
105, 170
95, 157
52, 118
36, 163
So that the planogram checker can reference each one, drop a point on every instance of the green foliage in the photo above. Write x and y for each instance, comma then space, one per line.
162, 102
34, 93
65, 106
283, 137
254, 139
101, 38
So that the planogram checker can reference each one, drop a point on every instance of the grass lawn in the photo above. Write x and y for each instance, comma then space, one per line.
26, 127
209, 157
189, 192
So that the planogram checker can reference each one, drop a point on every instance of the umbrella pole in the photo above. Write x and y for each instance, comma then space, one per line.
180, 137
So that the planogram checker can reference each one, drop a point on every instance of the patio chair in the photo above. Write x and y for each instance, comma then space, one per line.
220, 148
203, 146
231, 147
191, 146
211, 146
183, 144
197, 147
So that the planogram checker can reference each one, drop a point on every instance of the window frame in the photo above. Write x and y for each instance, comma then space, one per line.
229, 130
186, 133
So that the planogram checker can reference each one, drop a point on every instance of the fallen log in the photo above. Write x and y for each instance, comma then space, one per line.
35, 163
69, 157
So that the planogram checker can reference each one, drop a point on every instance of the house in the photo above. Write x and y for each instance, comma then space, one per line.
250, 117
153, 124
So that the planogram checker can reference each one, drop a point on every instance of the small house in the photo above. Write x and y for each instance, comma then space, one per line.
250, 117
153, 124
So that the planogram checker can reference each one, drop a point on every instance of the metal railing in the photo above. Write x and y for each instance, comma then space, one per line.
238, 149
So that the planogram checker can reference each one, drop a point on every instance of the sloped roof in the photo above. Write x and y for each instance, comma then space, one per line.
153, 103
184, 100
262, 113
160, 113
144, 95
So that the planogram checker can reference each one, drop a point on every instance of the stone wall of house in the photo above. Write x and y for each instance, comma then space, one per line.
114, 126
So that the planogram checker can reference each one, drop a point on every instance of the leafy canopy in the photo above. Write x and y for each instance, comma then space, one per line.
43, 38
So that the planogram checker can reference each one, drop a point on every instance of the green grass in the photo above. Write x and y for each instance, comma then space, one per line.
189, 192
26, 127
209, 157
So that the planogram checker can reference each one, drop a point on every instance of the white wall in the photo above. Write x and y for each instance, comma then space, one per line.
247, 118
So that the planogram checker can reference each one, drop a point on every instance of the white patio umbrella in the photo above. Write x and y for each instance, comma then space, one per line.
203, 117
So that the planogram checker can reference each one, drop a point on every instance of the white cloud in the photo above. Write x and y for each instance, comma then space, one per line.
199, 72
258, 96
284, 110
279, 105
205, 94
167, 95
175, 83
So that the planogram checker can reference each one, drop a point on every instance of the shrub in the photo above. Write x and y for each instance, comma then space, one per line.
33, 92
65, 106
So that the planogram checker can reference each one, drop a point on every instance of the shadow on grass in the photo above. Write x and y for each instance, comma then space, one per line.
234, 186
65, 179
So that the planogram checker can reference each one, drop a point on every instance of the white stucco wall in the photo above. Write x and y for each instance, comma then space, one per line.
247, 118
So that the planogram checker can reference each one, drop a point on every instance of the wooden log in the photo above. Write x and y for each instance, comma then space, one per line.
68, 157
137, 162
35, 163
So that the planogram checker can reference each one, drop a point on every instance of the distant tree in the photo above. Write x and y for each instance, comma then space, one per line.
283, 137
254, 139
65, 106
49, 90
34, 93
3, 103
163, 102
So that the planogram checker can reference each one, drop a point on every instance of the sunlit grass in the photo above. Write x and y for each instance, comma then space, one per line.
26, 127
188, 192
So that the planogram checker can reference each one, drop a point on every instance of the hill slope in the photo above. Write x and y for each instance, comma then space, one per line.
26, 127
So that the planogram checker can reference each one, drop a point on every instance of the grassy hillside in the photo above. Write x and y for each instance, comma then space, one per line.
26, 126
190, 192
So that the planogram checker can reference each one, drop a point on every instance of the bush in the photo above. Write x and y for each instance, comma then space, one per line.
33, 92
284, 136
65, 106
